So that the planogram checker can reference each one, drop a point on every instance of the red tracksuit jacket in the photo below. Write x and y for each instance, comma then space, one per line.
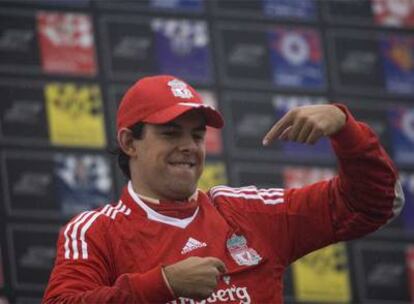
115, 254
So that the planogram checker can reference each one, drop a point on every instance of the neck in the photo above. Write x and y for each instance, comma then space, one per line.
153, 199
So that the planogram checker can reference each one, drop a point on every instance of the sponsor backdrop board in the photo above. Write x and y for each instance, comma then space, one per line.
323, 276
385, 278
32, 251
23, 117
371, 62
381, 13
65, 65
19, 42
44, 42
251, 115
66, 43
45, 113
283, 57
156, 45
54, 185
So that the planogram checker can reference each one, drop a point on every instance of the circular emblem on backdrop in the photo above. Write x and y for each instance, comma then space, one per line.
295, 48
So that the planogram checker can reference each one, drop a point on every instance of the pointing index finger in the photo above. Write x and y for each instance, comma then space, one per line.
278, 128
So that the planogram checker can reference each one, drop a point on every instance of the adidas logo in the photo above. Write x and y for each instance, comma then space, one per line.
191, 245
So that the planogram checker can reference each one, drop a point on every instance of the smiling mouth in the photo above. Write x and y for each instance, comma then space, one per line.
187, 165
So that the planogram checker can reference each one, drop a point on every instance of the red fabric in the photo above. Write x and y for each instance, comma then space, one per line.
181, 210
267, 228
152, 100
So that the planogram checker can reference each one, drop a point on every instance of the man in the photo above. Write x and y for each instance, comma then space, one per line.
167, 242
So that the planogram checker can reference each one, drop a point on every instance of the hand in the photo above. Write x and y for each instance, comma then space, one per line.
307, 124
194, 277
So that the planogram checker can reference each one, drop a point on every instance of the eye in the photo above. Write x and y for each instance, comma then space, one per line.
199, 136
169, 133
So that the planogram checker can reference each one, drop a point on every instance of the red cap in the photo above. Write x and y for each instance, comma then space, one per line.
160, 99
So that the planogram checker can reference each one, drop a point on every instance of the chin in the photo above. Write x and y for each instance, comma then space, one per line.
183, 193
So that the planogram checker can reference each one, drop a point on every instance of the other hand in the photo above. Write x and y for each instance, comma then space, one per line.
195, 277
307, 124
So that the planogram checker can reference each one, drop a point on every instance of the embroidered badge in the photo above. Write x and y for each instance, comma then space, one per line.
243, 255
179, 89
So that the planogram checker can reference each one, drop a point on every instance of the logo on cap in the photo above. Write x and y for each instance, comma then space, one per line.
179, 89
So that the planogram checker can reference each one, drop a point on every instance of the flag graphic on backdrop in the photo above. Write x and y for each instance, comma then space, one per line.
83, 182
75, 115
398, 60
398, 13
182, 48
323, 276
66, 43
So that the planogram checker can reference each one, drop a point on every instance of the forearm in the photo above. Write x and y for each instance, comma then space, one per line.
367, 182
71, 287
97, 295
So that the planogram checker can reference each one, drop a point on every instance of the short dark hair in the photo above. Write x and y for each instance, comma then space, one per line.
123, 159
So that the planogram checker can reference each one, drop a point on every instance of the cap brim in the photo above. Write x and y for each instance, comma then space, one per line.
213, 117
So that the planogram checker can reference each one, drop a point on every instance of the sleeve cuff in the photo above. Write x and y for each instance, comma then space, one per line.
152, 286
351, 137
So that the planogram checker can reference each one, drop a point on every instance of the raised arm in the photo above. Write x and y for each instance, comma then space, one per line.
364, 196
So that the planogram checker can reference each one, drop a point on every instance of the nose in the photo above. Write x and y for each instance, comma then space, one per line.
187, 143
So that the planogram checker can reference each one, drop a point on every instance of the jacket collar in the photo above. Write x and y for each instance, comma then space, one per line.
158, 217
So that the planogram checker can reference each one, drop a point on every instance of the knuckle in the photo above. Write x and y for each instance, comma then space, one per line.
295, 111
302, 117
313, 121
318, 128
213, 272
216, 272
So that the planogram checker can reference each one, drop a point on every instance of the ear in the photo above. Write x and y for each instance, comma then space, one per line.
126, 141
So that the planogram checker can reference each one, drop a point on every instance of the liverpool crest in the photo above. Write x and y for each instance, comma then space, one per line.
180, 89
241, 253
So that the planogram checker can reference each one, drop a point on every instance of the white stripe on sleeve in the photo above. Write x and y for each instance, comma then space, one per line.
75, 253
247, 190
84, 245
122, 209
66, 246
76, 229
273, 200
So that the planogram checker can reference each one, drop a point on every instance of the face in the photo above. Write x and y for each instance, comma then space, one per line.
168, 161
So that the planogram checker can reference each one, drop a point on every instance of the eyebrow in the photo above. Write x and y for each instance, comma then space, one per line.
177, 126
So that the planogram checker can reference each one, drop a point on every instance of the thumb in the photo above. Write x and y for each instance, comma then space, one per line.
219, 264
